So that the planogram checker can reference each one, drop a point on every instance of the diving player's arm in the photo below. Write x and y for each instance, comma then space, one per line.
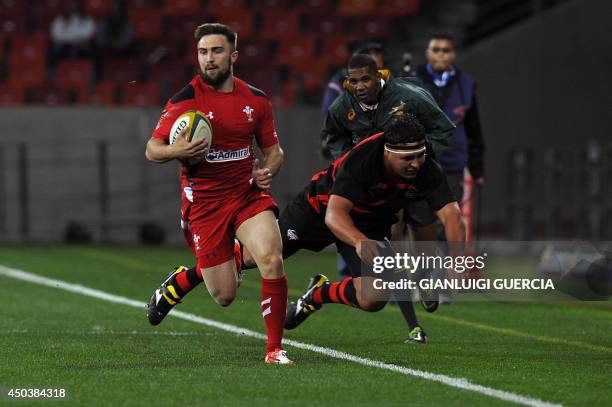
398, 228
339, 221
454, 228
273, 159
159, 151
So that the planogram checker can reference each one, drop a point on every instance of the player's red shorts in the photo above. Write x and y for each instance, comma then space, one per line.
209, 227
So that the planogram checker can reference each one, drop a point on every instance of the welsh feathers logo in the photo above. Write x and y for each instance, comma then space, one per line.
248, 110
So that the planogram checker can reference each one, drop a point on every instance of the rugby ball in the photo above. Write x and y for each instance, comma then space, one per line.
197, 124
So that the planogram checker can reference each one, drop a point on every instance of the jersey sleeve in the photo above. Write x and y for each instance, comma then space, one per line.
350, 179
168, 116
265, 134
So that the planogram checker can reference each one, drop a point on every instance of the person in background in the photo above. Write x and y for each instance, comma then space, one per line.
455, 93
335, 88
72, 33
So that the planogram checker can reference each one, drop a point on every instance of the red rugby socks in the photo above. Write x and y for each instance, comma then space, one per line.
187, 280
273, 309
342, 292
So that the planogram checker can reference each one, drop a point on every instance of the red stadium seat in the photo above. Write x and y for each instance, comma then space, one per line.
181, 7
51, 96
287, 95
254, 52
122, 70
97, 8
326, 25
316, 7
74, 73
297, 53
12, 8
335, 50
270, 5
370, 27
395, 8
226, 7
147, 24
313, 79
280, 25
262, 78
105, 94
13, 24
28, 49
28, 76
242, 23
141, 95
357, 7
11, 95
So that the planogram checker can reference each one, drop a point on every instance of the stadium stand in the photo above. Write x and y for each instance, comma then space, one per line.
276, 36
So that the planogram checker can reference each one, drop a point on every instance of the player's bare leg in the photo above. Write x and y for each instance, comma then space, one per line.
221, 282
260, 234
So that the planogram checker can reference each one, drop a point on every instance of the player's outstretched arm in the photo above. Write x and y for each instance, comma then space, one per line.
159, 151
454, 228
339, 221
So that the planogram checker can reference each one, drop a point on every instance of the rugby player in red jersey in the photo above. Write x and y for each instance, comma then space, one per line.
224, 191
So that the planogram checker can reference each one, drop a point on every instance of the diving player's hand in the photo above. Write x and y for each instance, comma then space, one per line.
261, 176
190, 152
368, 251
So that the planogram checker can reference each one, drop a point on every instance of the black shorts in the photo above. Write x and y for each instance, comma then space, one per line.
418, 213
303, 228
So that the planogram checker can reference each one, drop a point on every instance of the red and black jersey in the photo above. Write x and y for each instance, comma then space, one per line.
236, 117
360, 176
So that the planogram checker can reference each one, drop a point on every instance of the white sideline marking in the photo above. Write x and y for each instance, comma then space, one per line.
460, 383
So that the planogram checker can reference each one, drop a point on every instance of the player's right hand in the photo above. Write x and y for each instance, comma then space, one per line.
367, 250
193, 152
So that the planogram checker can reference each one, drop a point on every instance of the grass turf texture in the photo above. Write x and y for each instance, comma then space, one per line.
105, 353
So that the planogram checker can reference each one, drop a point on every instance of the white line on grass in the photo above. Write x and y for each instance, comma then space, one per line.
460, 383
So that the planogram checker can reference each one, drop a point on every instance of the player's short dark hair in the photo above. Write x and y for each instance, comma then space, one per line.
362, 61
217, 28
442, 36
404, 128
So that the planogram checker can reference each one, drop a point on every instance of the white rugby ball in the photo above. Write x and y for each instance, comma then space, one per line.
197, 124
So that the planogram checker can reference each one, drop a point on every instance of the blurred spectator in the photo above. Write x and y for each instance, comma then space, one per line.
333, 90
334, 86
114, 32
455, 93
72, 33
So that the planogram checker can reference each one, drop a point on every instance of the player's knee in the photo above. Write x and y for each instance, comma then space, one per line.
224, 300
371, 306
270, 264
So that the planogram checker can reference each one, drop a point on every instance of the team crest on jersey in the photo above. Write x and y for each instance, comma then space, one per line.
351, 115
397, 110
216, 156
248, 110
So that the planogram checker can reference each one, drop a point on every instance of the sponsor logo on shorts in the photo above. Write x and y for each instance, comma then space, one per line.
292, 234
196, 241
215, 156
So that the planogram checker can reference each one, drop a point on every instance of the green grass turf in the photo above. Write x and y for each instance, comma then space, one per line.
106, 353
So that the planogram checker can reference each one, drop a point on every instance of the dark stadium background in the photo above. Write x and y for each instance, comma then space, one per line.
72, 140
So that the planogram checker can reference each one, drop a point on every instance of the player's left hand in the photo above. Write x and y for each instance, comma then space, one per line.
261, 176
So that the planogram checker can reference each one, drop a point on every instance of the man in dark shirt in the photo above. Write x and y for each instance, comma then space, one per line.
356, 199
